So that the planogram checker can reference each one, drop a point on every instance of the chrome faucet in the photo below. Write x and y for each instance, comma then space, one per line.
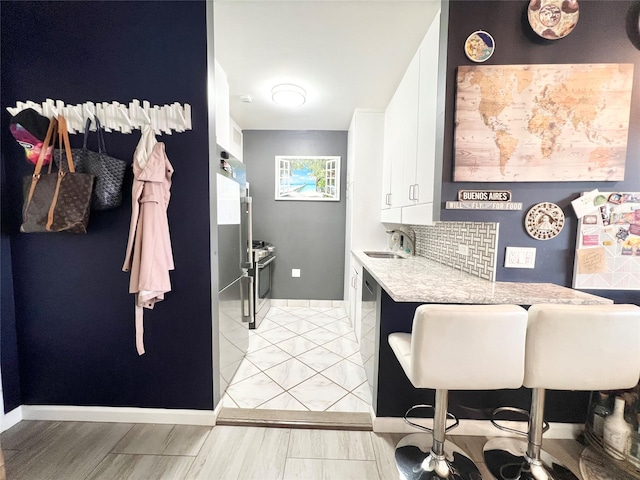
406, 242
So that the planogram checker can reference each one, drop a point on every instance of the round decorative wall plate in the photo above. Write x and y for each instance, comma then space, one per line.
479, 46
544, 221
553, 19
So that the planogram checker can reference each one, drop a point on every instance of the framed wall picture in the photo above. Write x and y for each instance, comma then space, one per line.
307, 178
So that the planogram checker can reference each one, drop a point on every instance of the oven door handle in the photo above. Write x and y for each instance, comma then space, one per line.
262, 265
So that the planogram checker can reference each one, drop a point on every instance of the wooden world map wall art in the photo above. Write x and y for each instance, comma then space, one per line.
542, 123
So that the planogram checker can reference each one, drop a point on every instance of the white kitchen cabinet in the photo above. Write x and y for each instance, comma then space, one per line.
400, 131
228, 133
222, 107
364, 166
403, 172
410, 139
235, 139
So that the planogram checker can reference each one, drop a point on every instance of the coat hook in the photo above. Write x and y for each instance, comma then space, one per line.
163, 119
89, 112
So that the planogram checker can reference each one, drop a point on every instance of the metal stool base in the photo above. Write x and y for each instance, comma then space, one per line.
416, 461
506, 460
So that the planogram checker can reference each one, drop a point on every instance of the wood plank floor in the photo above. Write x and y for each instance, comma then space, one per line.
41, 450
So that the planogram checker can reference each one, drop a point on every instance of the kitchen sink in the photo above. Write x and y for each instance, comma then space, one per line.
383, 254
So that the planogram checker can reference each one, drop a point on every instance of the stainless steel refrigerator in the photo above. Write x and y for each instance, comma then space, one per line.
235, 294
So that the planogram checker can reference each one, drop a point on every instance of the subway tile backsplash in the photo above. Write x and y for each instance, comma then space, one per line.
439, 242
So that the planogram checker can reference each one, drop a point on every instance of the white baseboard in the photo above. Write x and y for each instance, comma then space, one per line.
481, 428
64, 413
10, 419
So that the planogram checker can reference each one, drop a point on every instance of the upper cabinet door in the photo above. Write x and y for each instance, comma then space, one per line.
389, 144
403, 168
410, 150
235, 139
427, 115
222, 108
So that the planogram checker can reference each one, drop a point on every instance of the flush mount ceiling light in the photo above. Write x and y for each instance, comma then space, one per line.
288, 95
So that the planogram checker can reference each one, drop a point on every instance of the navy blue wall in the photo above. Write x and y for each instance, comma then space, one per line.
74, 317
603, 35
8, 345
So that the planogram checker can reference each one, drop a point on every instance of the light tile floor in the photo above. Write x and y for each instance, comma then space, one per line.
42, 450
301, 358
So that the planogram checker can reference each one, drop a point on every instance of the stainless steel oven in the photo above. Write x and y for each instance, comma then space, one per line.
262, 272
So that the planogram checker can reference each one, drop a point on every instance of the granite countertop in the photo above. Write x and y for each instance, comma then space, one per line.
417, 279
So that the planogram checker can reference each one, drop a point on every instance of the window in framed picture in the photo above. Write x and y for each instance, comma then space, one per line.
307, 178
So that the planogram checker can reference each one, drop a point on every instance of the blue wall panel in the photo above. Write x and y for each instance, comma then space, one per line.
602, 35
74, 316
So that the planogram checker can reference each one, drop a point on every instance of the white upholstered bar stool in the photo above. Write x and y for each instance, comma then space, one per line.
455, 347
569, 347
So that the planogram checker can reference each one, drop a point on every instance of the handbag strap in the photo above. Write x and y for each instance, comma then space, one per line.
86, 133
43, 152
99, 131
45, 145
63, 136
54, 201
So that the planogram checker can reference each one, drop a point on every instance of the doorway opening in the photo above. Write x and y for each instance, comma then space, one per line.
303, 367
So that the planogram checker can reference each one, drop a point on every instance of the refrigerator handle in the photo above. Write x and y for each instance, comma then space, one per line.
247, 299
248, 260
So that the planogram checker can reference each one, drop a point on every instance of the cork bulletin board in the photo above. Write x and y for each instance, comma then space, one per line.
608, 242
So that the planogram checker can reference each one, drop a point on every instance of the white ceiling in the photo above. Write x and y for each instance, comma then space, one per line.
345, 54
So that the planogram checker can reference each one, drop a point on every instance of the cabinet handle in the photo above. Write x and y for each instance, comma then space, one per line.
416, 192
411, 192
388, 199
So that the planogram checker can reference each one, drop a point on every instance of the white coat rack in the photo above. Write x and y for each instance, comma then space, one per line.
115, 116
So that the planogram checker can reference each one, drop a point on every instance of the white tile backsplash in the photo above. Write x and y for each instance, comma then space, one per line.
439, 242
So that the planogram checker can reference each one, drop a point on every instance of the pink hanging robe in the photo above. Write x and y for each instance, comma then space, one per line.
149, 256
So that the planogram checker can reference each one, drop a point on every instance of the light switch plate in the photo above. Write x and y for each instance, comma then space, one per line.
520, 257
295, 272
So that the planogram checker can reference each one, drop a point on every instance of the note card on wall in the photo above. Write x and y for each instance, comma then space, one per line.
591, 260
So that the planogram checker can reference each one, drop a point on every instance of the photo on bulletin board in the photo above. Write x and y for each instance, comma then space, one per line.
608, 241
542, 123
307, 178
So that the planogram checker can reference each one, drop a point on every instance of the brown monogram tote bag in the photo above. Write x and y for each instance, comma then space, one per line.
56, 201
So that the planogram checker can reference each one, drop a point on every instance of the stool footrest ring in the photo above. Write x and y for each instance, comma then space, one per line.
427, 429
521, 411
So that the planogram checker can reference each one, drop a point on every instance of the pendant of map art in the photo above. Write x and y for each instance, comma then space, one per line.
553, 19
479, 46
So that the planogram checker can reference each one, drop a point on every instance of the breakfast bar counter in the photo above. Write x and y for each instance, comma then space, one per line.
418, 279
392, 290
